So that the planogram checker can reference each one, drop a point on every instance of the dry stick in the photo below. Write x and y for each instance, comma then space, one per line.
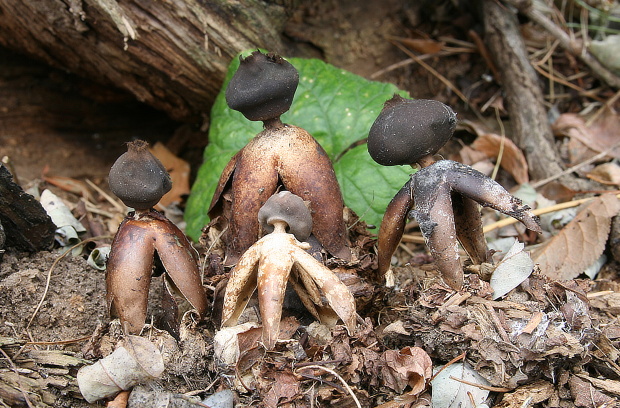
608, 105
335, 374
540, 211
573, 46
564, 82
432, 70
14, 368
410, 61
482, 387
449, 363
108, 197
56, 343
602, 154
49, 273
500, 154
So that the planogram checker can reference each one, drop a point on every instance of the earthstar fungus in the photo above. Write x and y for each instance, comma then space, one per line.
277, 258
443, 196
262, 89
140, 180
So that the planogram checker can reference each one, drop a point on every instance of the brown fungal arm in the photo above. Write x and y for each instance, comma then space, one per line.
223, 182
468, 223
489, 193
434, 214
179, 260
254, 181
128, 274
305, 170
393, 226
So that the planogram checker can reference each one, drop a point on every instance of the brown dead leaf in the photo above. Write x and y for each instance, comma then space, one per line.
410, 366
585, 395
610, 386
71, 185
537, 392
179, 171
606, 173
513, 159
120, 401
580, 242
609, 303
557, 192
597, 137
423, 45
409, 401
284, 386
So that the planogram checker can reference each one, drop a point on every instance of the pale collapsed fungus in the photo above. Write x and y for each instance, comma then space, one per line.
279, 257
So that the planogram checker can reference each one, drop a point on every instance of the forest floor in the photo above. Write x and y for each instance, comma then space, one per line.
552, 341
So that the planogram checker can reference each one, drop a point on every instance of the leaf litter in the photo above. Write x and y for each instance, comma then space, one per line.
529, 338
549, 341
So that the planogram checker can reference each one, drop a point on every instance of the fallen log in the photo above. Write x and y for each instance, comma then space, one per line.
169, 54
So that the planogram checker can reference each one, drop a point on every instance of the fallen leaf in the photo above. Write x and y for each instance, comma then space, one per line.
585, 395
607, 385
284, 385
557, 192
68, 184
580, 242
410, 366
536, 392
423, 45
599, 136
179, 171
512, 160
469, 156
450, 393
513, 269
606, 173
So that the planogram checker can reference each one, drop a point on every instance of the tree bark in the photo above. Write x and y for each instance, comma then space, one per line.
170, 54
524, 98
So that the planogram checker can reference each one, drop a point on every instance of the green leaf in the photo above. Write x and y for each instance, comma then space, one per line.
337, 108
367, 186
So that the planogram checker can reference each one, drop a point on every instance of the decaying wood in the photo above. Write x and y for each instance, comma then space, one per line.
26, 224
170, 54
531, 128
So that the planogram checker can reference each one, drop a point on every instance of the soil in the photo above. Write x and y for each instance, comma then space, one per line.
55, 124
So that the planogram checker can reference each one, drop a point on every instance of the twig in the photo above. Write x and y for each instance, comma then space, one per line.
539, 211
105, 195
56, 343
573, 46
434, 72
335, 374
449, 363
577, 166
482, 387
416, 239
49, 273
500, 154
564, 82
14, 368
322, 362
608, 105
497, 323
